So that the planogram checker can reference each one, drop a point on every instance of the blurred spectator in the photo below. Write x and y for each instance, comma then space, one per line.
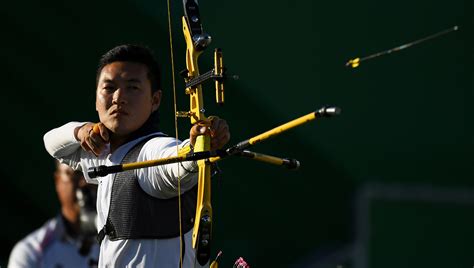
67, 240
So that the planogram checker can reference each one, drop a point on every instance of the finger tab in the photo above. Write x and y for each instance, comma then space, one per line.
96, 128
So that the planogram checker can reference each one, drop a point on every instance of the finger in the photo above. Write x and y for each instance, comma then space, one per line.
99, 135
88, 146
100, 128
214, 124
213, 128
219, 141
87, 142
84, 132
95, 148
93, 142
196, 131
96, 128
95, 139
222, 135
85, 146
212, 118
221, 127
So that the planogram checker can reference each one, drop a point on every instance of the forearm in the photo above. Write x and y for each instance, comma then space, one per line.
181, 170
162, 181
62, 144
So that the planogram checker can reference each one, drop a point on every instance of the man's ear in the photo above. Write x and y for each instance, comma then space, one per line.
156, 100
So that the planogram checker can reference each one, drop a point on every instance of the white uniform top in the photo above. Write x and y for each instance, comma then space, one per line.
50, 246
160, 182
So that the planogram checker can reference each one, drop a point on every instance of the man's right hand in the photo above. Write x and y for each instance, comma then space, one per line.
93, 137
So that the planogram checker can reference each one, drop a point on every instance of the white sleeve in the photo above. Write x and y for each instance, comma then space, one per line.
162, 181
23, 255
62, 144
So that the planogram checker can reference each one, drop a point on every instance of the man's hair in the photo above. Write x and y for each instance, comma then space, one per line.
133, 53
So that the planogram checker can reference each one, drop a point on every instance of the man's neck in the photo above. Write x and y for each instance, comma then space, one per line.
117, 141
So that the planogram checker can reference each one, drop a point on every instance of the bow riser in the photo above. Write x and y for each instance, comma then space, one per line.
202, 230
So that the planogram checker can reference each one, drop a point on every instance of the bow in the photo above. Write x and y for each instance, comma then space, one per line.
196, 42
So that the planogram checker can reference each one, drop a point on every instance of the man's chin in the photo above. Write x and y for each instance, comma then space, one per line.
121, 127
121, 131
116, 128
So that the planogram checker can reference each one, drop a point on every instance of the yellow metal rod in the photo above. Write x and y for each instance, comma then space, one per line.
155, 162
282, 128
288, 163
323, 112
268, 159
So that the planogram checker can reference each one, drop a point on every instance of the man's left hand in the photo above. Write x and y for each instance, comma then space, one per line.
218, 130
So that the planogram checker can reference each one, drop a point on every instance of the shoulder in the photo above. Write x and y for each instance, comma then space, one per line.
28, 251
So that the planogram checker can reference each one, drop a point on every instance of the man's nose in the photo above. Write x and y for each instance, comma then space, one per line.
119, 96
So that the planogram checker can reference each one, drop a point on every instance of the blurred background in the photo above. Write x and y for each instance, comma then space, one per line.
388, 183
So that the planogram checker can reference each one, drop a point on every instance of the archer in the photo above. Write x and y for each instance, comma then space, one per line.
137, 209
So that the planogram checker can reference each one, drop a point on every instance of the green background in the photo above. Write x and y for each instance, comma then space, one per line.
407, 118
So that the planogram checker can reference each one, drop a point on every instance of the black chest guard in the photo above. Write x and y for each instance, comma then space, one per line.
134, 214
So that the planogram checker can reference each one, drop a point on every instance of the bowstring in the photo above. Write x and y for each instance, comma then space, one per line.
176, 132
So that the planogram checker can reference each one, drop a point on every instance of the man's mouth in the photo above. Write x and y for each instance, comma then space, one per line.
118, 111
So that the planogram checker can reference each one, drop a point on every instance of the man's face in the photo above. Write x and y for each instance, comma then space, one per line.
124, 97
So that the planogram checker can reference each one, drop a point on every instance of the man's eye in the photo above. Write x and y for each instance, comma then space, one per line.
134, 87
109, 88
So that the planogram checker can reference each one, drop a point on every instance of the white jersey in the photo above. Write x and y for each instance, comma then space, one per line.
160, 182
50, 246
